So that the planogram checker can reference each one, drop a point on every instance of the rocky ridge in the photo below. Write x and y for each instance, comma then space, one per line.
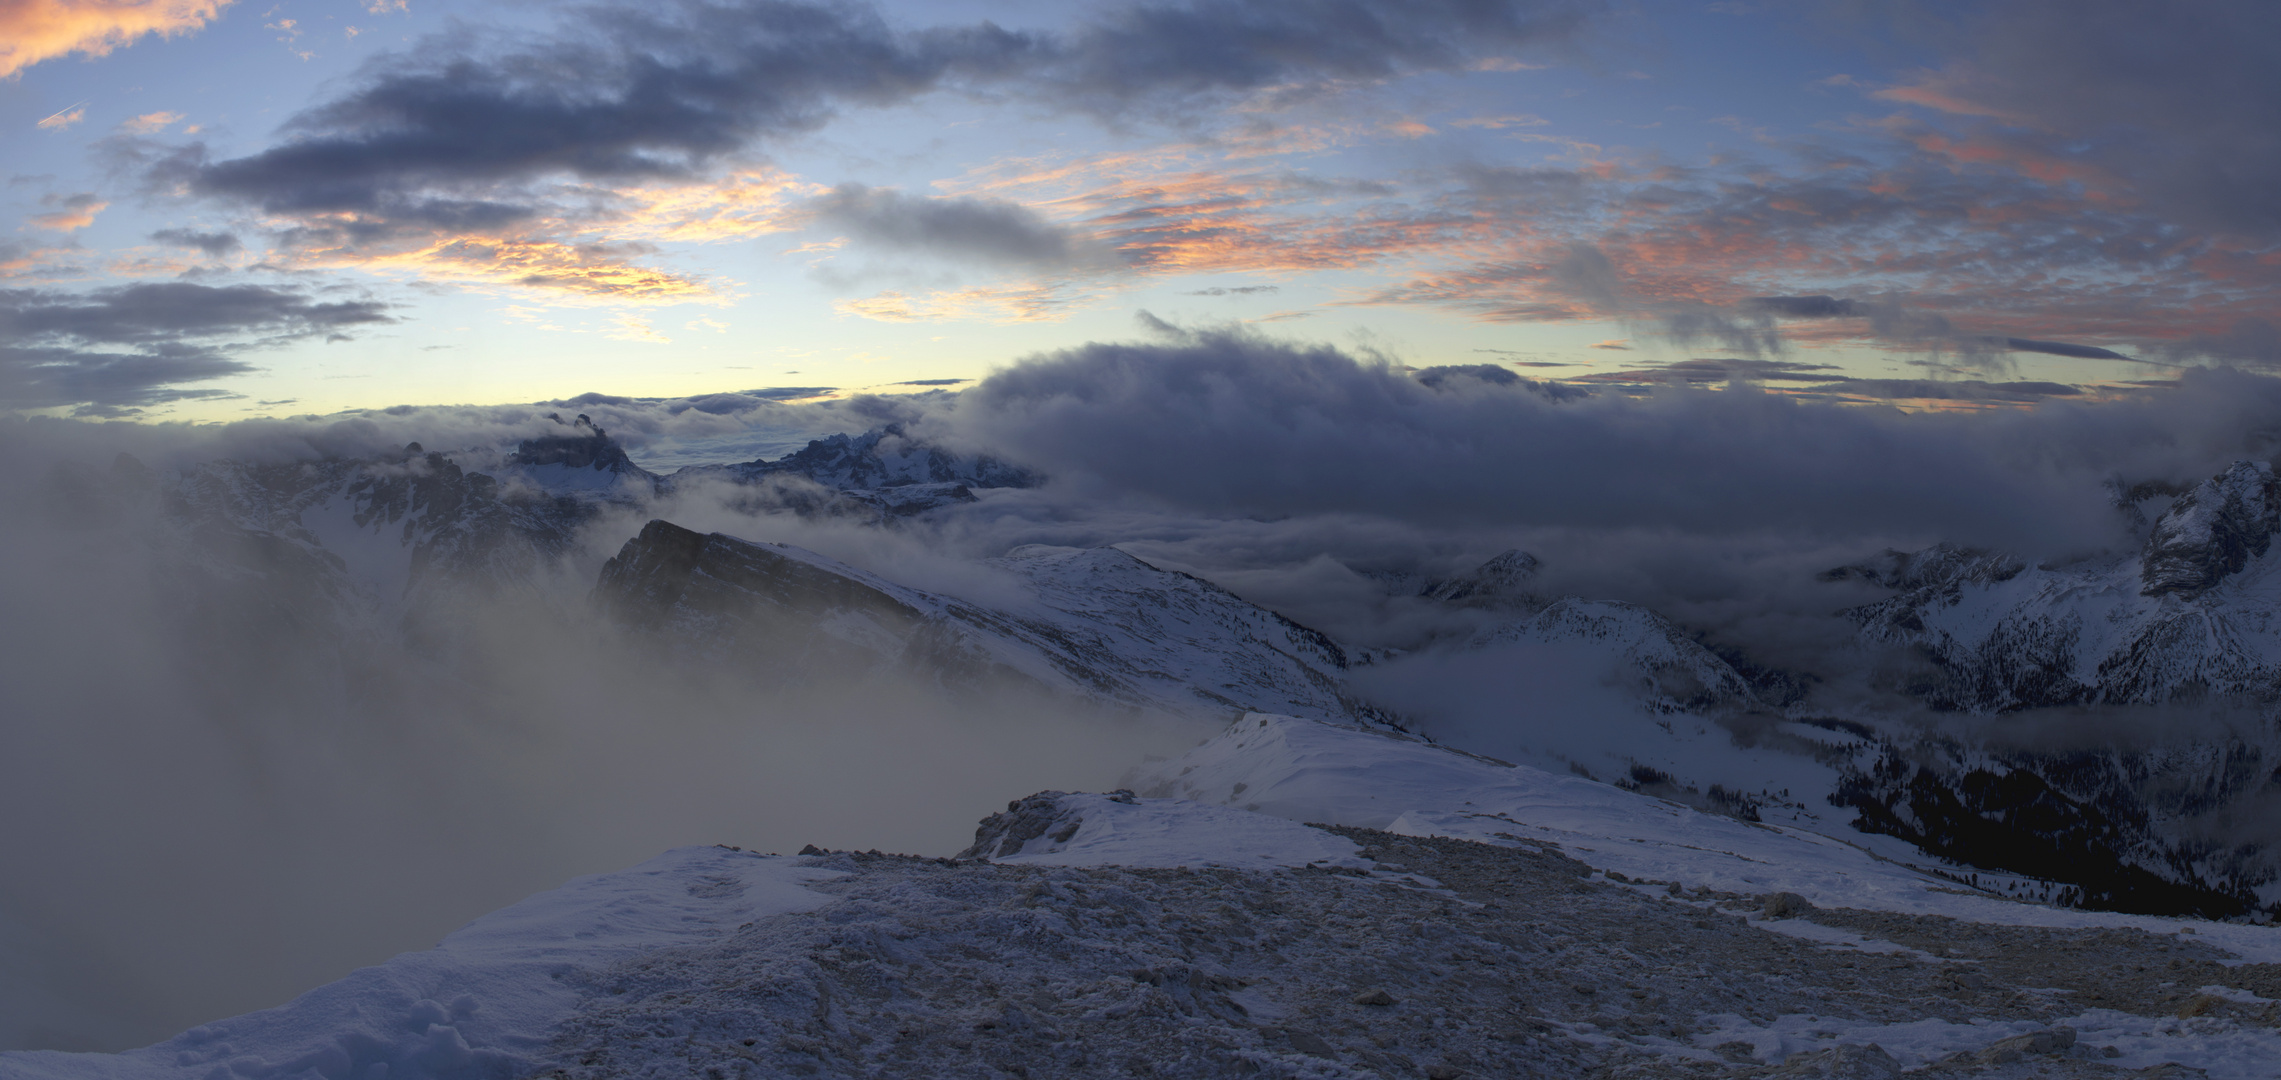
1104, 626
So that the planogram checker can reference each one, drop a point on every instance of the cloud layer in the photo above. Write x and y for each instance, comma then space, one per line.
135, 344
1226, 423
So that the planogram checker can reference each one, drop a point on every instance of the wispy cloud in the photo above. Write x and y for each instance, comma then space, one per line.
138, 344
63, 118
74, 212
36, 30
150, 123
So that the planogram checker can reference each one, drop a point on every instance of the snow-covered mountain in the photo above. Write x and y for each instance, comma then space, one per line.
884, 457
1099, 624
2191, 615
2140, 753
879, 476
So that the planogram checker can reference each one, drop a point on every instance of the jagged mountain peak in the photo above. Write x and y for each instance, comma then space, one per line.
881, 459
584, 458
2212, 531
1503, 581
1941, 566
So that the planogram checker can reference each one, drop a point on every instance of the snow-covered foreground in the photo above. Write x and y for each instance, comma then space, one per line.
1308, 771
481, 1002
1503, 921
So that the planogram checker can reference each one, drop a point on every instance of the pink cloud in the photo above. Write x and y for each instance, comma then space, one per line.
36, 30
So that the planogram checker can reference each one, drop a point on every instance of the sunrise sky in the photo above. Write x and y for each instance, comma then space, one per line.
230, 209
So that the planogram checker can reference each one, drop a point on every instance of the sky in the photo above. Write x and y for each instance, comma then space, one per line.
226, 209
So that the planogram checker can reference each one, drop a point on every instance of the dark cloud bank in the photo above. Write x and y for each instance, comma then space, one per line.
440, 135
136, 344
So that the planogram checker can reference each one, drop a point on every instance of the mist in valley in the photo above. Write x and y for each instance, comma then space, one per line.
228, 781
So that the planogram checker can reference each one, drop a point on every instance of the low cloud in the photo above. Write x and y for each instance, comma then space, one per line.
1228, 423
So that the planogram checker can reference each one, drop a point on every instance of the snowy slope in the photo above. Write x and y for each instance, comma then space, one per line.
1671, 670
483, 1001
1100, 625
1305, 770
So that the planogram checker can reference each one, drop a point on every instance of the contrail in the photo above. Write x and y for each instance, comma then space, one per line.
65, 116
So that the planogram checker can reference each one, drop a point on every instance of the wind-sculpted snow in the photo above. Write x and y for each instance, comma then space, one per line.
1101, 625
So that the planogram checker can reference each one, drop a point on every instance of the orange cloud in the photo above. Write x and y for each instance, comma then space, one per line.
63, 118
997, 304
632, 328
78, 213
1933, 94
1499, 123
150, 123
587, 243
594, 273
36, 30
739, 206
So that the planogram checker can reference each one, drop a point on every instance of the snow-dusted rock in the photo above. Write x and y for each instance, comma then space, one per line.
2196, 614
1101, 625
878, 459
1669, 668
1055, 828
2212, 531
1501, 582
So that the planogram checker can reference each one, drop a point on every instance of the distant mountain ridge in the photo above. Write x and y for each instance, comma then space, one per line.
2195, 613
1104, 626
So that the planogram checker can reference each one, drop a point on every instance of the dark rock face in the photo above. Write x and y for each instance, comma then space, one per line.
586, 447
1105, 627
880, 460
2212, 531
731, 595
461, 530
1025, 820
